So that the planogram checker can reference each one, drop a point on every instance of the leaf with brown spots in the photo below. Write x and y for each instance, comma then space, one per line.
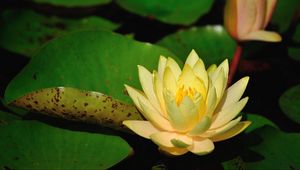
74, 104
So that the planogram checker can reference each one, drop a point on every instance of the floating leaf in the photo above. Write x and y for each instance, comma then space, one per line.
258, 121
289, 103
234, 164
6, 117
74, 104
294, 53
92, 61
212, 43
169, 11
73, 3
25, 31
34, 145
284, 12
276, 149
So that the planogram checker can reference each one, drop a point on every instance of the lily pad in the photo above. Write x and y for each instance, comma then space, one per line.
258, 121
169, 11
7, 117
74, 104
73, 3
98, 61
294, 53
267, 148
284, 12
25, 31
212, 43
289, 103
34, 145
277, 149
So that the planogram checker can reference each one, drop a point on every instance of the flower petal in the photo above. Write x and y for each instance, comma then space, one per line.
225, 67
192, 58
233, 93
219, 83
161, 66
158, 89
231, 17
153, 115
190, 110
211, 101
228, 113
263, 36
166, 139
218, 131
134, 95
187, 77
169, 81
269, 11
173, 150
200, 72
146, 79
246, 16
237, 129
171, 63
142, 128
201, 146
211, 69
260, 6
201, 127
179, 120
219, 78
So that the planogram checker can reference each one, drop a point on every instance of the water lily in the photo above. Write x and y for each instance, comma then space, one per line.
246, 19
188, 109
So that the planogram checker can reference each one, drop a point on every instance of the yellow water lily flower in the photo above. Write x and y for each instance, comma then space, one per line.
189, 109
246, 19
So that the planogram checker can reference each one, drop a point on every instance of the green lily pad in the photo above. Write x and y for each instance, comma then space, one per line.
258, 121
277, 149
212, 43
98, 61
73, 3
7, 117
169, 11
25, 31
34, 145
294, 53
284, 12
289, 103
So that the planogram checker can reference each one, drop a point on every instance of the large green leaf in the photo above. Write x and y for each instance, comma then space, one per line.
267, 148
277, 150
90, 60
212, 43
25, 31
284, 12
258, 121
289, 103
294, 53
169, 11
73, 3
7, 117
34, 145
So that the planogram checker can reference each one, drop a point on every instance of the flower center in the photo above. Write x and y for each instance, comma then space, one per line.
184, 91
